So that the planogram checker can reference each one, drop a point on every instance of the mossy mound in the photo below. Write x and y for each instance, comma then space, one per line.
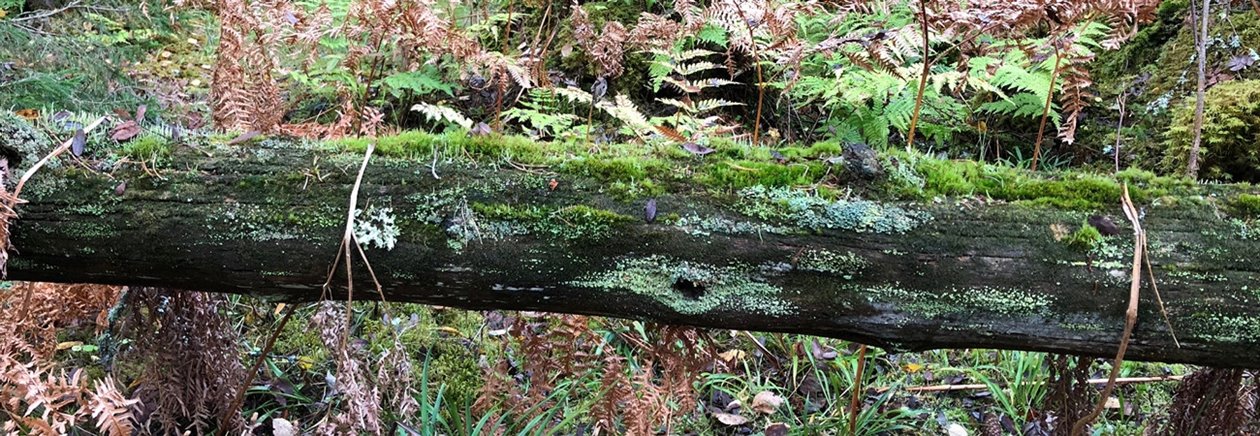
1231, 130
21, 143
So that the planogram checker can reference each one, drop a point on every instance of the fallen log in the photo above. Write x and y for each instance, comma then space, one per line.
939, 253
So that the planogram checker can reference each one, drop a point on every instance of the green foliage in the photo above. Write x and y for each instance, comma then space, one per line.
11, 7
54, 72
1231, 130
148, 147
1084, 238
427, 80
1247, 205
543, 114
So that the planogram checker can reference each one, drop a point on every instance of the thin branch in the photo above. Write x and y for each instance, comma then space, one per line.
239, 397
855, 398
918, 99
1192, 168
1130, 314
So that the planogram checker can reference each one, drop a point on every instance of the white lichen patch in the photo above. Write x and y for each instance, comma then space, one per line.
691, 287
375, 227
816, 213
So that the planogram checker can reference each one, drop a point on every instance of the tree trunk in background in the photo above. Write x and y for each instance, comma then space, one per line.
266, 219
1200, 45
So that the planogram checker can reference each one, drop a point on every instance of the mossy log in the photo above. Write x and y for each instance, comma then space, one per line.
481, 224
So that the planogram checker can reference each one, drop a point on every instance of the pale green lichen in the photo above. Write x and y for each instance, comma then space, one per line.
375, 227
846, 264
698, 226
817, 213
691, 287
983, 299
266, 223
1245, 229
1217, 327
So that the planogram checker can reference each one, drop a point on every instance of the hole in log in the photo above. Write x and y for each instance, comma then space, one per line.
689, 288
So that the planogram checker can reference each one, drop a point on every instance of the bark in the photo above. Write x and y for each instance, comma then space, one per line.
265, 219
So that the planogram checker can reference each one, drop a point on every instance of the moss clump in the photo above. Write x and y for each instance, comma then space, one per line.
1246, 205
148, 147
692, 288
569, 223
1231, 129
1085, 238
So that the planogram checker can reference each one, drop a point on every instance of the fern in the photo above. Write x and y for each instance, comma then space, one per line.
438, 113
543, 114
421, 82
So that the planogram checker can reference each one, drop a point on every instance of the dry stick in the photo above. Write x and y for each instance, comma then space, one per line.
918, 99
857, 389
1192, 168
1045, 113
1162, 311
1130, 315
347, 238
977, 387
239, 397
1120, 102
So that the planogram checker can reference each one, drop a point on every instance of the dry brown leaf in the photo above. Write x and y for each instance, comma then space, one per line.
730, 419
766, 402
777, 429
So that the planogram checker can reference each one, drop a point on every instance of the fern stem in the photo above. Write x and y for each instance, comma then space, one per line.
1045, 113
918, 99
507, 38
761, 84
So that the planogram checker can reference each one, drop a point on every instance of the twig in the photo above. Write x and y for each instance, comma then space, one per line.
433, 165
1120, 101
1130, 314
918, 99
977, 387
239, 397
857, 390
761, 347
46, 14
1155, 288
347, 238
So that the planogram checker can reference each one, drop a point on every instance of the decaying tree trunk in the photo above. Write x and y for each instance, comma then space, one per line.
266, 219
